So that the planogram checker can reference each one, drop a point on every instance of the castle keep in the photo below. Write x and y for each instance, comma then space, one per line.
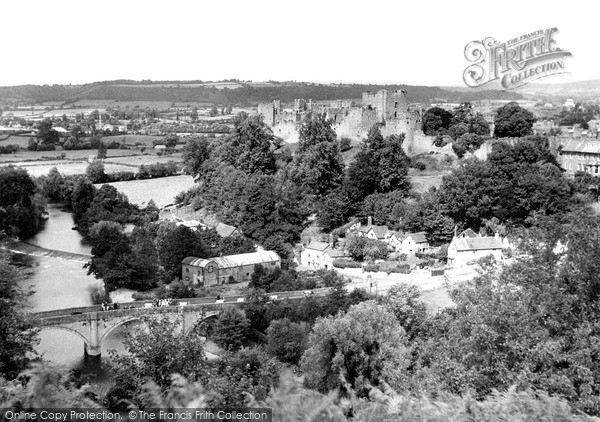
389, 108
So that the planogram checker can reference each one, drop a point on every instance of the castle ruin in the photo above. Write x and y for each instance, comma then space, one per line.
388, 108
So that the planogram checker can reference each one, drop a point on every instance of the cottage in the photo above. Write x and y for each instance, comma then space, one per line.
394, 239
225, 230
371, 231
413, 243
465, 249
226, 269
320, 255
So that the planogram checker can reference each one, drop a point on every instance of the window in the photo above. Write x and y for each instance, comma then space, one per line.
210, 268
187, 270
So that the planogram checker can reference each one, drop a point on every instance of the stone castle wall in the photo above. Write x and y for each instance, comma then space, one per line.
389, 108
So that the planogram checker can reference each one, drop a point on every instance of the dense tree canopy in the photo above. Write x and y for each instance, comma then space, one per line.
16, 331
365, 346
20, 208
380, 166
512, 120
515, 182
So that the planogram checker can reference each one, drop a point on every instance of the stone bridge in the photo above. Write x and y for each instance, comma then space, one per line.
93, 325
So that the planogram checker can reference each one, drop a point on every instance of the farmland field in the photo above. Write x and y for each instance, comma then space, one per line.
78, 155
41, 168
138, 160
162, 190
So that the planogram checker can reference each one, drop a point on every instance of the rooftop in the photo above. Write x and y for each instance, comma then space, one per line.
582, 145
417, 237
234, 260
317, 246
478, 243
225, 230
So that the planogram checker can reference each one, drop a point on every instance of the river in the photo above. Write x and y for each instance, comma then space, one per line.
58, 283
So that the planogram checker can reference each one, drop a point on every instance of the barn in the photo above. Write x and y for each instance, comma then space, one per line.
226, 269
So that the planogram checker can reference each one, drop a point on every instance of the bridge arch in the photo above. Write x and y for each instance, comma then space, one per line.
60, 327
119, 324
202, 319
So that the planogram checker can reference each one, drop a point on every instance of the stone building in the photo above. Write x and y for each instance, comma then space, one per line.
226, 269
581, 155
388, 108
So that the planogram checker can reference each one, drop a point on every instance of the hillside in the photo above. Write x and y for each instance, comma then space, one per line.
581, 89
235, 92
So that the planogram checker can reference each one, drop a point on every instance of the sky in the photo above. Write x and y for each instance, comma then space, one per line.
374, 41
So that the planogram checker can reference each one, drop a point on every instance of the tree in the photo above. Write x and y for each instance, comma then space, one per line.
102, 151
365, 346
20, 208
155, 354
95, 172
436, 121
47, 135
231, 329
195, 153
512, 120
317, 167
171, 140
16, 331
380, 166
252, 139
334, 210
82, 196
194, 114
213, 111
175, 244
286, 340
515, 182
404, 301
534, 323
111, 252
53, 185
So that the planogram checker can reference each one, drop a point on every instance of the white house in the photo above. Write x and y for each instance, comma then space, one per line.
413, 243
464, 248
320, 255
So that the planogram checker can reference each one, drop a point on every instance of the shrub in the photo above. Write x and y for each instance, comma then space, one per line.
371, 268
343, 263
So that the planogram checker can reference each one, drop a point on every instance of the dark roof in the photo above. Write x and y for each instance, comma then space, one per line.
478, 243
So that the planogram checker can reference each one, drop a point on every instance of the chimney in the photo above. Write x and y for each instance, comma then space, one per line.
369, 221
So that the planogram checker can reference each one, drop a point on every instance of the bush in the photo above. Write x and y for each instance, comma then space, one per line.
46, 147
343, 263
371, 268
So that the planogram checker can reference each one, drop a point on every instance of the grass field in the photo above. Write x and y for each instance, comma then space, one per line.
162, 190
42, 168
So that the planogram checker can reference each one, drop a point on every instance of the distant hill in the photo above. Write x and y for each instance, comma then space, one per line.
228, 92
582, 89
